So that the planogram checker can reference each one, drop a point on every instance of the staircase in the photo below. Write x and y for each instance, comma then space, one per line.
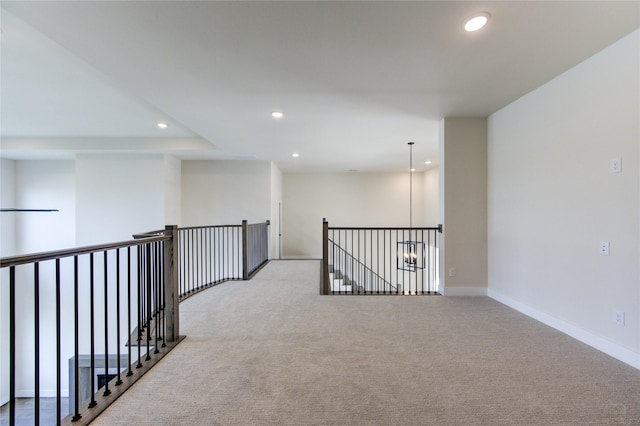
341, 283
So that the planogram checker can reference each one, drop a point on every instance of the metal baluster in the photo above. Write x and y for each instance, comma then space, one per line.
119, 379
76, 344
148, 294
216, 237
208, 257
163, 296
202, 257
93, 402
384, 259
12, 345
222, 253
156, 284
397, 265
358, 263
180, 256
138, 289
58, 347
129, 373
424, 247
192, 260
36, 319
107, 392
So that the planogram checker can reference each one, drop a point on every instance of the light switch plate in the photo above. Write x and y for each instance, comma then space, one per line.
615, 165
604, 248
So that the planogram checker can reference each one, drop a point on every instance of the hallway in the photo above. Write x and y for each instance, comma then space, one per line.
272, 351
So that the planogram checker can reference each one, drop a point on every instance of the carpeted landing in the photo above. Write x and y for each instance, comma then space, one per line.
271, 351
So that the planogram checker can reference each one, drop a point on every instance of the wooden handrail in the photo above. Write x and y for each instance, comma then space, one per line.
59, 254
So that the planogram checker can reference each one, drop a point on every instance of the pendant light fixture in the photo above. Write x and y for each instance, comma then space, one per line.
411, 253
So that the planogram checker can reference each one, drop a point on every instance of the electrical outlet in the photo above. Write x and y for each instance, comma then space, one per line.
604, 248
452, 272
615, 165
618, 317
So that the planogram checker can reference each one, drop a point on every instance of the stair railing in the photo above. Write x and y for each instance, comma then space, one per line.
408, 259
355, 274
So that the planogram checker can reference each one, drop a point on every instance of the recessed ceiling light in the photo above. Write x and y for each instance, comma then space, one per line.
413, 170
295, 155
427, 162
162, 125
476, 22
277, 115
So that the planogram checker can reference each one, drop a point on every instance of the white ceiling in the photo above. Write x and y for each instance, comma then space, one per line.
355, 80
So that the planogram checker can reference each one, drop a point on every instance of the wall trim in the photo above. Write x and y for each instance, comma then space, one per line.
299, 258
465, 291
603, 345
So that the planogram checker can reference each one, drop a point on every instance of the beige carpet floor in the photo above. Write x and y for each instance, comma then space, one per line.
271, 351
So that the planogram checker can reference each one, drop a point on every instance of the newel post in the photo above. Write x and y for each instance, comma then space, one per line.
324, 282
245, 251
172, 295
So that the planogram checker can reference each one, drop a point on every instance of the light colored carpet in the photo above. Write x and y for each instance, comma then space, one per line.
271, 351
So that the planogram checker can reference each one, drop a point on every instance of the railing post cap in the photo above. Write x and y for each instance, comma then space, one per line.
171, 227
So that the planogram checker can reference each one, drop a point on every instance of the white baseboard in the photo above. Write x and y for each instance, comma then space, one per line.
298, 258
618, 352
465, 291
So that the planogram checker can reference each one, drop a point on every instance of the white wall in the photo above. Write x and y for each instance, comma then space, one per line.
7, 248
345, 199
463, 186
118, 195
7, 200
172, 190
431, 194
225, 192
276, 202
39, 185
45, 184
551, 200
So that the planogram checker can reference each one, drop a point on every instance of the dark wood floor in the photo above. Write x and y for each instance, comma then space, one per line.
25, 414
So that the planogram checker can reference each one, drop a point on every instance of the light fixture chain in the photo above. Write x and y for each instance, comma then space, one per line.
410, 188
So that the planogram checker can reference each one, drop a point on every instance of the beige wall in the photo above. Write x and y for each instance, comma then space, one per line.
345, 199
225, 192
463, 186
431, 194
552, 200
117, 196
172, 190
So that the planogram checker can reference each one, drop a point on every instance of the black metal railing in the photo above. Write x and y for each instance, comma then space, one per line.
256, 247
110, 300
380, 260
350, 276
92, 320
210, 255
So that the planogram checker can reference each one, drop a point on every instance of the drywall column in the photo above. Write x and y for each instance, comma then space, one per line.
463, 205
